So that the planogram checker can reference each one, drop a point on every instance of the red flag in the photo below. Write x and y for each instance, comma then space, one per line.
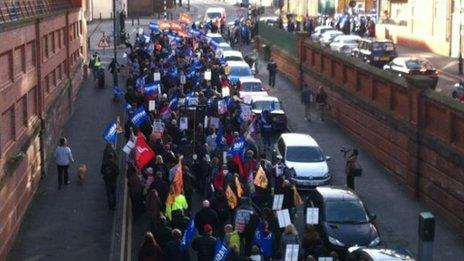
143, 152
238, 161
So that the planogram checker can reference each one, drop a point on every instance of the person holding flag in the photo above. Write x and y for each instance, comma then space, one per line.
175, 251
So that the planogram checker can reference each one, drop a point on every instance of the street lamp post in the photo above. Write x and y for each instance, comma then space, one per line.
115, 40
460, 62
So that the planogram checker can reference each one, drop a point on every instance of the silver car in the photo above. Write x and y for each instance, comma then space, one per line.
301, 153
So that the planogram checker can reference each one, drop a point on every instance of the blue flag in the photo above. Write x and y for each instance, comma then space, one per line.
188, 234
153, 88
220, 137
110, 134
221, 252
139, 116
238, 148
174, 103
154, 27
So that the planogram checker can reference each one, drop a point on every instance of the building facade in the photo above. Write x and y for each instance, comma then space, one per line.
41, 67
431, 25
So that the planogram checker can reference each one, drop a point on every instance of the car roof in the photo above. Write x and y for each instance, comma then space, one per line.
370, 40
344, 37
264, 98
232, 53
298, 139
224, 44
215, 9
249, 79
334, 31
263, 18
237, 64
336, 193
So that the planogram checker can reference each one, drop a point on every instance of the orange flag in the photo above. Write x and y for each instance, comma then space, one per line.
178, 181
231, 197
260, 178
171, 196
239, 187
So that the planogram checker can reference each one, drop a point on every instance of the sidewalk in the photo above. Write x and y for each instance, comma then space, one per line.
397, 211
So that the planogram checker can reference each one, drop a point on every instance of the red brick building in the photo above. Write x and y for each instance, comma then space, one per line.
41, 59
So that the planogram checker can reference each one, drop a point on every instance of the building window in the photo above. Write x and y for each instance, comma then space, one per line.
45, 47
8, 127
47, 84
80, 27
19, 65
30, 55
32, 102
22, 106
6, 71
52, 42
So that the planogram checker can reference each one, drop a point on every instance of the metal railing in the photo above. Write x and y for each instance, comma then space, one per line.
12, 10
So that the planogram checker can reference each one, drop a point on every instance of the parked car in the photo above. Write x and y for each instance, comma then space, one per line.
328, 37
458, 90
273, 105
236, 70
343, 220
411, 66
376, 254
318, 31
217, 38
251, 86
302, 154
215, 13
221, 48
232, 55
375, 52
345, 43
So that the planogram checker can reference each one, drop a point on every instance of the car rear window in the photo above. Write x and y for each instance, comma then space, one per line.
214, 15
233, 58
418, 64
304, 154
266, 105
383, 46
240, 71
251, 87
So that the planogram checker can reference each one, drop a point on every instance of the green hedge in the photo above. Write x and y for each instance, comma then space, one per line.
279, 38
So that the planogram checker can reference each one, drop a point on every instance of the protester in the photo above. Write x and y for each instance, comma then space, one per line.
306, 99
150, 250
110, 172
312, 243
63, 157
174, 249
205, 244
289, 237
206, 216
350, 168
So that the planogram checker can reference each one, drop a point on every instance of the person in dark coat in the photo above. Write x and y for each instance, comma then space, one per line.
307, 98
179, 220
161, 186
220, 205
162, 232
272, 69
150, 250
289, 198
110, 172
205, 244
174, 249
206, 215
312, 243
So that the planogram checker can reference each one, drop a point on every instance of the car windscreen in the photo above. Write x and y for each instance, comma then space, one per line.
386, 46
214, 15
350, 41
218, 39
240, 71
418, 64
266, 105
345, 211
233, 58
304, 154
251, 87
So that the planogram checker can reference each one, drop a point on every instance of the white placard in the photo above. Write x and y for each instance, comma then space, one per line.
283, 217
225, 91
278, 200
312, 216
128, 147
224, 157
291, 252
183, 123
208, 75
156, 76
247, 99
205, 122
325, 258
151, 105
214, 122
183, 79
158, 126
192, 101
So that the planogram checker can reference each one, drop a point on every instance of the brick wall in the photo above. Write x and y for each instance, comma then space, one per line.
416, 133
40, 75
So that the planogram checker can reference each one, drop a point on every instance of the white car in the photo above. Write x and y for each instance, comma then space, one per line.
301, 153
237, 69
215, 13
318, 31
232, 55
328, 37
217, 38
345, 43
221, 48
251, 86
274, 107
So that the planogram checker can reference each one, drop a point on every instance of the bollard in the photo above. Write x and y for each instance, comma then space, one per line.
100, 16
138, 20
426, 236
460, 64
132, 20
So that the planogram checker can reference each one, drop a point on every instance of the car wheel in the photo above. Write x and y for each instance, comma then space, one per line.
454, 94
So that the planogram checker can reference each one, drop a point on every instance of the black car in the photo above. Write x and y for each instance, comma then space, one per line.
375, 52
343, 219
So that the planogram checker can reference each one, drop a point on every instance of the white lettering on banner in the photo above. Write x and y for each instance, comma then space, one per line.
112, 130
138, 116
220, 255
141, 150
238, 145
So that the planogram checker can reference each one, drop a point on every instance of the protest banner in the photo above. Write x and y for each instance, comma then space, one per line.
312, 216
278, 201
283, 216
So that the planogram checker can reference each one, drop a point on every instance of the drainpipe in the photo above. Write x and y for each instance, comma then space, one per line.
43, 172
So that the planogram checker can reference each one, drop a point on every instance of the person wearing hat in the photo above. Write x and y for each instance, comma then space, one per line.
206, 215
205, 244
